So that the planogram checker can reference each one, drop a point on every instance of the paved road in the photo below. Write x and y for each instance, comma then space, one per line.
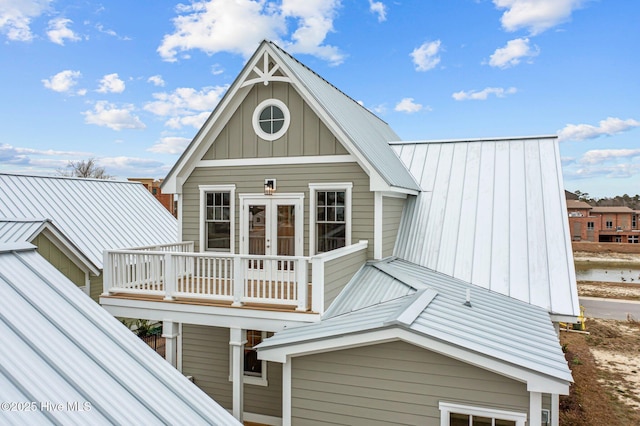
610, 308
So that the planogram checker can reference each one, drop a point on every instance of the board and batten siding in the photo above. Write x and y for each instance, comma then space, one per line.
205, 356
307, 134
391, 215
294, 178
59, 260
96, 286
393, 383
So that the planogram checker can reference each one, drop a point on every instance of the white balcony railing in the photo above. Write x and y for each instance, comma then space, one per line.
175, 271
236, 278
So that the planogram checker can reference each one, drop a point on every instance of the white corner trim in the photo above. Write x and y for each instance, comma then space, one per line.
377, 226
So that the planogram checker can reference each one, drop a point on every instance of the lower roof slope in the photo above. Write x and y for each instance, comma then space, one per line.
394, 293
493, 213
59, 347
94, 214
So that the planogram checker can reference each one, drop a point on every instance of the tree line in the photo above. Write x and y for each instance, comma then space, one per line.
626, 200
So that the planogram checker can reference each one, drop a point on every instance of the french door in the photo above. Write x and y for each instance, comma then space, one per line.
271, 225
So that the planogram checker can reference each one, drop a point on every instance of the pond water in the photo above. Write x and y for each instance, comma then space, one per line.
612, 275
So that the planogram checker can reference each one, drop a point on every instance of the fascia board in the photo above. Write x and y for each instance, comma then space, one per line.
68, 248
214, 316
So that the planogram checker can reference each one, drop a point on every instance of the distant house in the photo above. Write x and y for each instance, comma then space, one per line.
155, 188
72, 221
332, 273
616, 224
65, 360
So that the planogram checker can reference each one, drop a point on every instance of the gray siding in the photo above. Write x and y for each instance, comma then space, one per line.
391, 215
392, 384
96, 284
338, 272
205, 356
290, 178
59, 260
307, 134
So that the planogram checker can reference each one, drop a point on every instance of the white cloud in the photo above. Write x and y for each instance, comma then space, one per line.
63, 82
111, 83
535, 15
170, 145
16, 16
607, 127
185, 105
108, 115
156, 80
129, 164
408, 105
238, 26
59, 31
512, 53
426, 56
596, 156
379, 9
483, 94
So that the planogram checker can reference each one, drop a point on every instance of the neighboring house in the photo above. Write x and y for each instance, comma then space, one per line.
154, 187
617, 224
72, 221
65, 360
331, 273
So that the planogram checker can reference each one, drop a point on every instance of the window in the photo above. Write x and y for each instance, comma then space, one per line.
255, 370
271, 119
609, 224
633, 239
590, 226
330, 216
462, 415
217, 217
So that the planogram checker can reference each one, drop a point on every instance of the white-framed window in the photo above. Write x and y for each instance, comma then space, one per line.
271, 119
590, 226
609, 224
217, 218
329, 216
255, 370
465, 415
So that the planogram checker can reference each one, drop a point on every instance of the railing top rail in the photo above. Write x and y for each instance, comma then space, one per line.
148, 248
342, 251
208, 254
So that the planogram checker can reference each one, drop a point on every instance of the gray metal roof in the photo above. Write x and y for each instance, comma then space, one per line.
492, 213
429, 303
93, 214
367, 132
20, 230
60, 347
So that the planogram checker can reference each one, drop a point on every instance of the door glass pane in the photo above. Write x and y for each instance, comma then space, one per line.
286, 230
257, 219
505, 422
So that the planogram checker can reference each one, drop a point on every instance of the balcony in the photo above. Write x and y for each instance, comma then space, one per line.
175, 273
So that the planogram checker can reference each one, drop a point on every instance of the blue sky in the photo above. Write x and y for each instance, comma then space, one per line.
130, 82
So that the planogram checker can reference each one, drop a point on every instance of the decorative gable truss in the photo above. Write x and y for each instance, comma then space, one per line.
265, 72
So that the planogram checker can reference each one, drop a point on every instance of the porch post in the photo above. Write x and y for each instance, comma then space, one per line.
238, 337
170, 333
301, 278
555, 409
238, 281
535, 408
169, 277
286, 392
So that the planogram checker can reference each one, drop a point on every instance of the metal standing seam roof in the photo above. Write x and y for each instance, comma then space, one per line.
367, 132
95, 215
60, 347
21, 230
492, 213
495, 325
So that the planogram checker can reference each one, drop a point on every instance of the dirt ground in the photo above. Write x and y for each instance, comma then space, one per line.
605, 363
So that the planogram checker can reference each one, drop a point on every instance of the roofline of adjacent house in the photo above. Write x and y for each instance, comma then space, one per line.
496, 139
45, 176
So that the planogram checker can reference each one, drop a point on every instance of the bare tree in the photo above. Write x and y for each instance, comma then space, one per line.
85, 169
